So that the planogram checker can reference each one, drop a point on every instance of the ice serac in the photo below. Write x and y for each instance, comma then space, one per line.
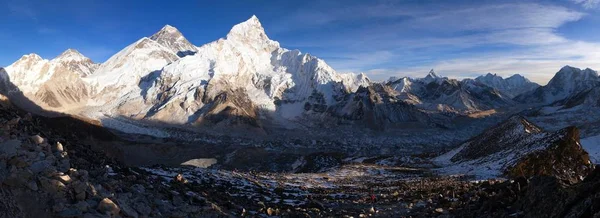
567, 82
511, 86
518, 148
52, 84
171, 38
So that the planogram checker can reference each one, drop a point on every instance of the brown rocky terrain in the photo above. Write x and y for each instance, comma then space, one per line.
56, 167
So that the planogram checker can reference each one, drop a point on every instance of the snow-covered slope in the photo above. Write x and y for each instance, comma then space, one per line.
449, 95
171, 38
592, 146
239, 75
53, 84
511, 86
567, 82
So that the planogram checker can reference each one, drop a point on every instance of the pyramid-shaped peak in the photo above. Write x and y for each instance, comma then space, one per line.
169, 28
433, 74
167, 32
250, 29
71, 55
171, 38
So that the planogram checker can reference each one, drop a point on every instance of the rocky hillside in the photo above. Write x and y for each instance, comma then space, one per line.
518, 148
51, 167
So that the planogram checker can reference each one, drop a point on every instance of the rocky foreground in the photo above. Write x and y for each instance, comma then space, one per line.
49, 168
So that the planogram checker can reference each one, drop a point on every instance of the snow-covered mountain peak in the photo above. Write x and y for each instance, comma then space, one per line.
511, 86
571, 75
30, 58
517, 77
432, 77
71, 55
173, 39
170, 29
433, 74
250, 31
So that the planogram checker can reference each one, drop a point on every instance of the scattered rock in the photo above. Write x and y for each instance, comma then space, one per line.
39, 166
58, 147
52, 186
142, 208
9, 148
64, 178
70, 212
37, 139
128, 210
82, 206
32, 185
107, 206
179, 178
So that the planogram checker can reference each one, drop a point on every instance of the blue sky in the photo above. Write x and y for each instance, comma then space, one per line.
381, 38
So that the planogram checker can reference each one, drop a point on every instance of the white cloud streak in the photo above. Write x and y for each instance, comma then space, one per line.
449, 37
588, 4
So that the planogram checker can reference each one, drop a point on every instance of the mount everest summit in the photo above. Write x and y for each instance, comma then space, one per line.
247, 79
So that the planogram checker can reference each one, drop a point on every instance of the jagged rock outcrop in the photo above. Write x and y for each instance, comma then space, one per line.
518, 148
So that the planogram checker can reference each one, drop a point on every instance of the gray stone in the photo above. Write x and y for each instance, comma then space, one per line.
32, 185
58, 207
71, 212
128, 210
142, 208
83, 206
64, 165
95, 215
3, 171
80, 196
52, 186
18, 178
9, 148
79, 187
37, 139
39, 166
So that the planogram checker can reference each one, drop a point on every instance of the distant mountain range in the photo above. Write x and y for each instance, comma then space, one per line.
247, 80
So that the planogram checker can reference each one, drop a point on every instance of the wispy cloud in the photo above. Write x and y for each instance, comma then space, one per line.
588, 4
458, 39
